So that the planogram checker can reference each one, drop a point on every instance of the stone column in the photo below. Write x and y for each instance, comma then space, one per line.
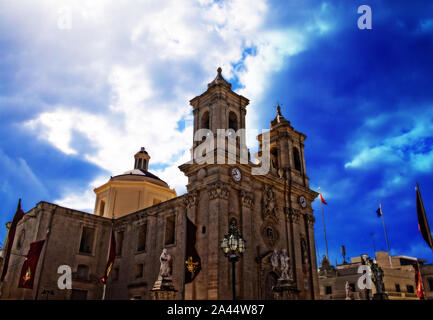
242, 120
247, 234
197, 124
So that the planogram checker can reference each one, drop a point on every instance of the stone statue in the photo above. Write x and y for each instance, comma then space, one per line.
284, 260
274, 260
348, 290
377, 276
166, 260
163, 288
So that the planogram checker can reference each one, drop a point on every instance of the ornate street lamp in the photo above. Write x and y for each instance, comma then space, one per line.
233, 247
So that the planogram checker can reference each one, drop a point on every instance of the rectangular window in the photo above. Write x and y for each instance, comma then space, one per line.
82, 272
410, 289
102, 207
139, 271
397, 287
119, 243
430, 284
87, 237
328, 290
170, 230
141, 237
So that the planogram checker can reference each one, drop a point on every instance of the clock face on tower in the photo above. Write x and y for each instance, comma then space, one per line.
303, 201
236, 174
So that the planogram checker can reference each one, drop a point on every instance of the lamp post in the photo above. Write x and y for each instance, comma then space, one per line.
233, 247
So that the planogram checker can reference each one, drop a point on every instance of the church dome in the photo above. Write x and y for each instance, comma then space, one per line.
140, 171
139, 175
132, 190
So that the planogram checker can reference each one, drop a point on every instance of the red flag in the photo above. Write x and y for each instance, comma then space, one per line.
423, 225
192, 259
418, 281
321, 199
28, 270
111, 258
11, 236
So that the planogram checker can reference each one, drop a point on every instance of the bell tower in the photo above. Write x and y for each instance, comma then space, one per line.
219, 107
287, 150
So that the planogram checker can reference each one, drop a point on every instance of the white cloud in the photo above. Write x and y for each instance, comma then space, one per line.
404, 145
123, 74
401, 155
81, 200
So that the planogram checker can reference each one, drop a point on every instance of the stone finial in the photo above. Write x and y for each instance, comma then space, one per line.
219, 80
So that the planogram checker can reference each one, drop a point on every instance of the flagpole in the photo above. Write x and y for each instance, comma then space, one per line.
386, 236
324, 228
317, 250
374, 246
103, 291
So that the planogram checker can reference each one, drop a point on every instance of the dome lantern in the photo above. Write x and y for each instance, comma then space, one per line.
141, 160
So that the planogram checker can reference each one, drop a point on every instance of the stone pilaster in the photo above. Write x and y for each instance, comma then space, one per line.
284, 151
190, 202
313, 261
247, 201
217, 268
295, 219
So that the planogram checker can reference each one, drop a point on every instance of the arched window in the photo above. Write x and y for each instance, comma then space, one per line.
82, 272
233, 121
204, 123
139, 163
297, 158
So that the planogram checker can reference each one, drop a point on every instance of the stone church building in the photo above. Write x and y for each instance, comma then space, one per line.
272, 212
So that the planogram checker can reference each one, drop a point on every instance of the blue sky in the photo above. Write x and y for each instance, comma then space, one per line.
85, 84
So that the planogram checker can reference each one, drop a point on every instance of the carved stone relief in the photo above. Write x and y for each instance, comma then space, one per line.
218, 190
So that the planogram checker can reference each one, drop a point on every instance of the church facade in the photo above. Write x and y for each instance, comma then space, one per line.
272, 212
